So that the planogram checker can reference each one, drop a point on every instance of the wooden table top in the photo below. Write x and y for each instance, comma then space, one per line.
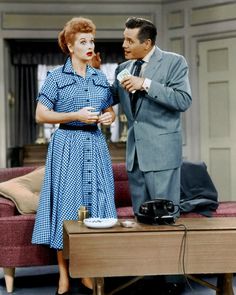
191, 224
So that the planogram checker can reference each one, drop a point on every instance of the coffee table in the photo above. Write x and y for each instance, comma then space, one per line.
190, 246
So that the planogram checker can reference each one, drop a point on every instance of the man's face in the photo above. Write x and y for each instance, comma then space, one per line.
133, 49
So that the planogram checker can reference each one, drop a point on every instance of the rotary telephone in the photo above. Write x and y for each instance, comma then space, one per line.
157, 211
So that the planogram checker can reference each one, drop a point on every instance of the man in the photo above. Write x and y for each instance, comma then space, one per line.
162, 93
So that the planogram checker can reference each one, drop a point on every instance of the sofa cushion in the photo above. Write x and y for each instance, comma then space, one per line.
122, 192
24, 190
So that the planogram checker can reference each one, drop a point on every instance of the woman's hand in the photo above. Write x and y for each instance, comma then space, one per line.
107, 117
86, 115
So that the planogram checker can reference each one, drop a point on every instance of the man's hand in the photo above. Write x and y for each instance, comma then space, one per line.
132, 83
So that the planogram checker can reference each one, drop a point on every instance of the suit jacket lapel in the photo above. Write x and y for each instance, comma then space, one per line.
138, 105
153, 64
127, 102
126, 96
150, 70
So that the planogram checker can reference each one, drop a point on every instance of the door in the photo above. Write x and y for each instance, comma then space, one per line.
217, 92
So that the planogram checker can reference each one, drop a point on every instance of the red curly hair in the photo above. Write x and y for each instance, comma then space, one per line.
71, 28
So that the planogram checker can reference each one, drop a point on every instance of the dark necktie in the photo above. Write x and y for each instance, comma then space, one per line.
134, 96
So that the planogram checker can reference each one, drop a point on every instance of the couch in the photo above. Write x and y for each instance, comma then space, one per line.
16, 229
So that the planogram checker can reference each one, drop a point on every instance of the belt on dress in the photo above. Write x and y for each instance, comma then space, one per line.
82, 127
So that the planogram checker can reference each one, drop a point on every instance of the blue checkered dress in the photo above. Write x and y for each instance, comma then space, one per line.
78, 165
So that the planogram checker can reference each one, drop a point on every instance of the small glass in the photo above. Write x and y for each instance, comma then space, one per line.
82, 213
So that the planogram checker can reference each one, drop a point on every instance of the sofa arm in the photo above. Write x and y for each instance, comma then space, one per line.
16, 230
15, 242
16, 247
7, 207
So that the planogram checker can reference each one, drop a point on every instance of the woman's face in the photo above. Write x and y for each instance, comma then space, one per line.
83, 47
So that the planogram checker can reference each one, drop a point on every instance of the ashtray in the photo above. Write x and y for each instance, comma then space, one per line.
128, 223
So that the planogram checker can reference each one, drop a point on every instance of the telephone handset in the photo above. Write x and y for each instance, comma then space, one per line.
157, 211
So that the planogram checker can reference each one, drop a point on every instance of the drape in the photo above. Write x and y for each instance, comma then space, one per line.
23, 84
25, 104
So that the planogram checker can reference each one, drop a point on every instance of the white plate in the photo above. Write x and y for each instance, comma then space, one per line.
100, 222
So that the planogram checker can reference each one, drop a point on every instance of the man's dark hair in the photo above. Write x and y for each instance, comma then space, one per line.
147, 29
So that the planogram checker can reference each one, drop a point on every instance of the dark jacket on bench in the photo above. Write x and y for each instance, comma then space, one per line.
198, 193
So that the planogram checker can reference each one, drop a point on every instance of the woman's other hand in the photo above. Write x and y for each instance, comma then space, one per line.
107, 117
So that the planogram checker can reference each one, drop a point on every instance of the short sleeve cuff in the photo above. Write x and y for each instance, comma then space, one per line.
106, 104
45, 101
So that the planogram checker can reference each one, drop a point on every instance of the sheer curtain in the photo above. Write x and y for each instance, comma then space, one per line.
45, 130
109, 71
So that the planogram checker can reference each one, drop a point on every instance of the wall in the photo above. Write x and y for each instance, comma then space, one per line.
186, 24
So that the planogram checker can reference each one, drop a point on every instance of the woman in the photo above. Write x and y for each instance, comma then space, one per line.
78, 166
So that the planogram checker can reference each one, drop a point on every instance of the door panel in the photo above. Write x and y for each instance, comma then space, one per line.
217, 90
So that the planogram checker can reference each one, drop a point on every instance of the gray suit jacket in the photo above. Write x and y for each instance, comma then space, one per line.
155, 129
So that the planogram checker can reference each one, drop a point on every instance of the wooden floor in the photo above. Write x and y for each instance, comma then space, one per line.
43, 281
